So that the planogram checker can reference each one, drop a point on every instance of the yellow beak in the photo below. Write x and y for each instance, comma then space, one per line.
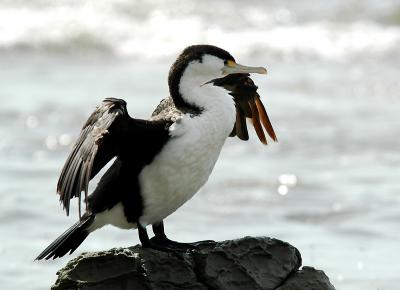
232, 67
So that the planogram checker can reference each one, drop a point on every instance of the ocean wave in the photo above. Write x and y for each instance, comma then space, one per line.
156, 30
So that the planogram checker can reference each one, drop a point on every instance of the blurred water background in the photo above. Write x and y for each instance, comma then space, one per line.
330, 186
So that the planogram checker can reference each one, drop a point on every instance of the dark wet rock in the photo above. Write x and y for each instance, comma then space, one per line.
307, 278
247, 263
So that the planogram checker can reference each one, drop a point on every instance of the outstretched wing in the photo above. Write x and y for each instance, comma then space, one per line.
248, 105
108, 132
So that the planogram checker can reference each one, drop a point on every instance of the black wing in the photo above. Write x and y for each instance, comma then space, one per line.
108, 132
248, 105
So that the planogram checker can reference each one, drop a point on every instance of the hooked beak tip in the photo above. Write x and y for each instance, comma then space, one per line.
263, 71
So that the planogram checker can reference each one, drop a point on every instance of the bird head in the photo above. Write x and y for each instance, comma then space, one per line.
200, 64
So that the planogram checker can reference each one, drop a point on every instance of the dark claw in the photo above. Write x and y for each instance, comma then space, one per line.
175, 246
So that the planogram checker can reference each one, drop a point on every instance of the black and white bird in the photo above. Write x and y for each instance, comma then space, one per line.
160, 163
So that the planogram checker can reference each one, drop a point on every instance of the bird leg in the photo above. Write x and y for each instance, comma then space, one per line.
149, 243
161, 238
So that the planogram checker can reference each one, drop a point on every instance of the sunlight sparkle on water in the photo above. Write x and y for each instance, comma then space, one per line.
286, 182
64, 139
288, 179
283, 189
51, 142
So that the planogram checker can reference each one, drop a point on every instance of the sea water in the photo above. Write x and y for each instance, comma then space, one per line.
330, 186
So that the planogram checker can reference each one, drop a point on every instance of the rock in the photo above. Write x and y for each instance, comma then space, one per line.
307, 278
247, 263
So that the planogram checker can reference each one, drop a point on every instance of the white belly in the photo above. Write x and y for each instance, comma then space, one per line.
114, 216
184, 164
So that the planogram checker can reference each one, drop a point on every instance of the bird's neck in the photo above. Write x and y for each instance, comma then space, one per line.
191, 91
218, 111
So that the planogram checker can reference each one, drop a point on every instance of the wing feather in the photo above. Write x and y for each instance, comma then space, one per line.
79, 169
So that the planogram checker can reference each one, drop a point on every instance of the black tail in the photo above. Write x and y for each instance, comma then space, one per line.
69, 240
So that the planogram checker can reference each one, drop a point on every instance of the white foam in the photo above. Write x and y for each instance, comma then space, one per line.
161, 31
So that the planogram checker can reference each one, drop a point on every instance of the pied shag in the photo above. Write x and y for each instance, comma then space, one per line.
160, 163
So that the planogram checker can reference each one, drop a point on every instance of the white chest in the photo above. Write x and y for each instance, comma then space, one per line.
185, 163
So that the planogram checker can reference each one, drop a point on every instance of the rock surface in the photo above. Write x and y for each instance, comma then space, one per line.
247, 263
307, 278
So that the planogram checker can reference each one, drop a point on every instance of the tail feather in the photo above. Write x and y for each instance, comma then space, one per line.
69, 240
